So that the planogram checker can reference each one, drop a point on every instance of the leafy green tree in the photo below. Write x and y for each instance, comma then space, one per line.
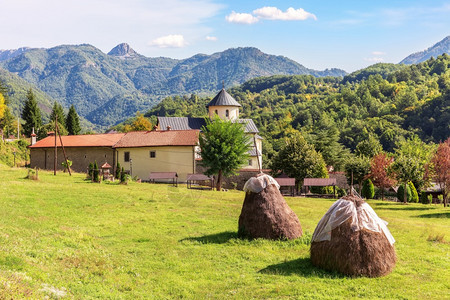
357, 167
406, 169
368, 190
224, 148
369, 147
123, 176
58, 111
73, 122
2, 105
299, 160
31, 114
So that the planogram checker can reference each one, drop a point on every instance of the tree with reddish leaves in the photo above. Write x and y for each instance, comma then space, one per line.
441, 163
379, 172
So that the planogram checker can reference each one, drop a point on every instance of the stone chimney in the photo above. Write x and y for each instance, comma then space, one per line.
168, 128
33, 137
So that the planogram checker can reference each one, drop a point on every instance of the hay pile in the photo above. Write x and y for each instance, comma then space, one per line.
265, 213
351, 239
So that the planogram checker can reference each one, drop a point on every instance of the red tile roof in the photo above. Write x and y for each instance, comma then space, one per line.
88, 140
159, 138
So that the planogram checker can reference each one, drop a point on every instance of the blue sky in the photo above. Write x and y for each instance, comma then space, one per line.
318, 34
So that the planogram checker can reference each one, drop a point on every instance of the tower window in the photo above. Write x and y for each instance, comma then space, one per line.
227, 113
217, 112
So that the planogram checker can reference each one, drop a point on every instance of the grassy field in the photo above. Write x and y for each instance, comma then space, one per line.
64, 236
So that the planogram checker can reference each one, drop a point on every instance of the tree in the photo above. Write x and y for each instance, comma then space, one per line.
407, 169
2, 105
369, 147
368, 190
58, 111
45, 129
403, 193
73, 121
31, 114
141, 123
380, 172
414, 194
224, 148
299, 160
441, 163
357, 167
96, 172
118, 169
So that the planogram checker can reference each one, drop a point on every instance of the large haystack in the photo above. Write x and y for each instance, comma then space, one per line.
265, 213
351, 239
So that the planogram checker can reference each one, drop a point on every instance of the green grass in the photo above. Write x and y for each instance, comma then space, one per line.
63, 235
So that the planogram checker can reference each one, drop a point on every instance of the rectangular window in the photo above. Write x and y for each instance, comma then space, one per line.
250, 162
126, 156
152, 154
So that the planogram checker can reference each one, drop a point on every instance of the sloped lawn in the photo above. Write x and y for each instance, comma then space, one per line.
66, 237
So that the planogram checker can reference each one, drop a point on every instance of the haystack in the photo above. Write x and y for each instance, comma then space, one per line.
351, 239
265, 213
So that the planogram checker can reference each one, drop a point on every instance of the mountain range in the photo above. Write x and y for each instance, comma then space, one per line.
107, 88
434, 51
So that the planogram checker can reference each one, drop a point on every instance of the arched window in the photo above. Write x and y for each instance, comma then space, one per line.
227, 113
217, 112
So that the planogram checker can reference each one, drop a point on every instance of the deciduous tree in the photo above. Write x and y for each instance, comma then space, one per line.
380, 172
299, 160
441, 162
224, 148
357, 167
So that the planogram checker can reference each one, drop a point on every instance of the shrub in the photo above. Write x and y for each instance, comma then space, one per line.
91, 170
368, 190
341, 192
401, 191
414, 195
117, 175
96, 172
123, 176
425, 199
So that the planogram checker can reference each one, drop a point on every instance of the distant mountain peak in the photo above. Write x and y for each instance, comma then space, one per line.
7, 54
123, 50
437, 49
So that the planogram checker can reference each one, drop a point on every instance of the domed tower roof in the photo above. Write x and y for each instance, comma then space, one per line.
223, 99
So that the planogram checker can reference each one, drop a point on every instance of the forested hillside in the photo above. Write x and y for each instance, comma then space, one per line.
108, 88
363, 113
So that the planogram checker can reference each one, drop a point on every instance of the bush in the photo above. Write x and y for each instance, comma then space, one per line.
425, 199
401, 191
368, 190
440, 199
117, 175
91, 170
414, 195
123, 176
341, 192
96, 172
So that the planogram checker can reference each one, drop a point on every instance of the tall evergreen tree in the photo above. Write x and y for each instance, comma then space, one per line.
58, 111
73, 121
31, 114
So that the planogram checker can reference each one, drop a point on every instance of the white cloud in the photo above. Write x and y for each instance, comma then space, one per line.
169, 41
211, 38
291, 14
378, 53
241, 18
